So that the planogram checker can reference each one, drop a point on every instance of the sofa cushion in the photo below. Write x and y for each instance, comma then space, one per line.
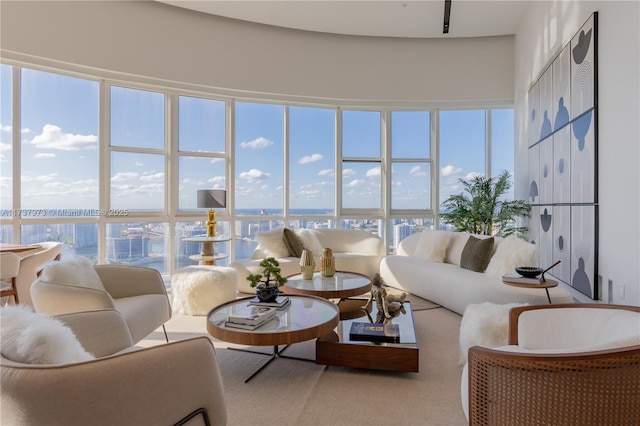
432, 245
293, 242
74, 271
35, 338
476, 254
272, 243
310, 241
512, 252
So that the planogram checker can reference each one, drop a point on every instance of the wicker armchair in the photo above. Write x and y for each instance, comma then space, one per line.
526, 383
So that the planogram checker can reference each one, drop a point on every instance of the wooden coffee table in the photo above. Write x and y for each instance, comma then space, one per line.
306, 318
342, 286
337, 349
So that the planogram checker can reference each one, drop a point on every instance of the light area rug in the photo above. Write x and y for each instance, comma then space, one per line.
291, 392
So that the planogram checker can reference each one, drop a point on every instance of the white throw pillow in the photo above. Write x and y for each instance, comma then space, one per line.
512, 252
432, 245
35, 338
272, 243
310, 241
76, 271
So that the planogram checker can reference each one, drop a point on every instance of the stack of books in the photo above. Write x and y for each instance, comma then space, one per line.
281, 302
251, 317
375, 332
519, 279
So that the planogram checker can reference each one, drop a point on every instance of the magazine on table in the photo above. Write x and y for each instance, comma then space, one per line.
280, 302
252, 315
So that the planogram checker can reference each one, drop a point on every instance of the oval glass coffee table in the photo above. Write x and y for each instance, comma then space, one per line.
305, 318
342, 286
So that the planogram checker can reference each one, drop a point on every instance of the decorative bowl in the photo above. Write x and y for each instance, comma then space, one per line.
529, 271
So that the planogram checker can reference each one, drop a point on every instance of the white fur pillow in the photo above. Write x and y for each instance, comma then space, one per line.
35, 338
272, 242
485, 324
310, 241
432, 245
76, 271
512, 252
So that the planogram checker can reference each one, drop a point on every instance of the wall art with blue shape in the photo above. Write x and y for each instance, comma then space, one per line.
563, 175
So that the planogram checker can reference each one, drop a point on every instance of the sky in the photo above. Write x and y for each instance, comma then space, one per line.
60, 133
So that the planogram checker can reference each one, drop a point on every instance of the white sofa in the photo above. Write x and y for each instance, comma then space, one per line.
453, 287
355, 251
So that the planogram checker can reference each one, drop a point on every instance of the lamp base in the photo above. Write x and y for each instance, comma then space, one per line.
211, 223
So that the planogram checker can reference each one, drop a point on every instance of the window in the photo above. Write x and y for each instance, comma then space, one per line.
59, 159
502, 144
259, 158
6, 140
311, 161
410, 160
361, 160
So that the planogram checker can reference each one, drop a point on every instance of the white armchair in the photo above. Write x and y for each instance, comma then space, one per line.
565, 364
137, 293
173, 383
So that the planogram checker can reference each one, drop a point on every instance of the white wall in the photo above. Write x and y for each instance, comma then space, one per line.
161, 41
549, 26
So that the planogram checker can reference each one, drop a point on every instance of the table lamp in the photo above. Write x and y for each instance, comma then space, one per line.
211, 198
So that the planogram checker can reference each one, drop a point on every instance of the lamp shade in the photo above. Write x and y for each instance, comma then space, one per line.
212, 198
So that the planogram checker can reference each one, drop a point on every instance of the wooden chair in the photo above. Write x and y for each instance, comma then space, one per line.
525, 383
9, 269
31, 265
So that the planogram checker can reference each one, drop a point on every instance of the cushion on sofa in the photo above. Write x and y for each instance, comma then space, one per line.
512, 252
310, 241
272, 243
35, 338
293, 242
432, 245
476, 254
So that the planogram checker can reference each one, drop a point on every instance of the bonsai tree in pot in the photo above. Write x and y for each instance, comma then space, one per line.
481, 209
268, 283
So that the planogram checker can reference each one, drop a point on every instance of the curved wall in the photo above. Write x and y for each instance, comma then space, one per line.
183, 47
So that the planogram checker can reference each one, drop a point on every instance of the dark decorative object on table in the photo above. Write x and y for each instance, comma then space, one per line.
268, 283
529, 271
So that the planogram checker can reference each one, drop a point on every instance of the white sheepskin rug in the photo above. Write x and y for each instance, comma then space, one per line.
484, 324
197, 289
35, 338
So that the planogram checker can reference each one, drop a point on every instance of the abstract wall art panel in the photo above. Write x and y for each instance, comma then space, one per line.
561, 243
546, 171
563, 161
584, 249
562, 88
562, 166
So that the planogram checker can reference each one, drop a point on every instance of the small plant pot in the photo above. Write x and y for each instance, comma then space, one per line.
267, 293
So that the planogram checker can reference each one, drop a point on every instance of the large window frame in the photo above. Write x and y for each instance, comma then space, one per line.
380, 220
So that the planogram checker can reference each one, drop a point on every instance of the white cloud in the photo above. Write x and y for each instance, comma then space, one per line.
25, 130
254, 175
5, 147
373, 172
45, 155
52, 137
472, 175
417, 171
216, 160
216, 179
122, 176
153, 177
449, 170
310, 158
325, 172
348, 172
138, 164
256, 143
5, 127
309, 194
356, 182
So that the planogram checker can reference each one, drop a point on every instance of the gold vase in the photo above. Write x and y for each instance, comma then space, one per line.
307, 264
327, 263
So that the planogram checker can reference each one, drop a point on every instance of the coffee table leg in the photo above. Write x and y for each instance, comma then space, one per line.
277, 353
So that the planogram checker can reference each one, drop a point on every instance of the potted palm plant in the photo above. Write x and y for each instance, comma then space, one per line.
482, 209
268, 283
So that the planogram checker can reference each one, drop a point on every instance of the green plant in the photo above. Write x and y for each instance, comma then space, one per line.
271, 274
481, 210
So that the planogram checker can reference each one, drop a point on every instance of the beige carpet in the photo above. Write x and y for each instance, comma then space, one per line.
290, 392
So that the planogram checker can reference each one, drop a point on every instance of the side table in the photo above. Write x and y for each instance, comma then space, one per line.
546, 284
207, 254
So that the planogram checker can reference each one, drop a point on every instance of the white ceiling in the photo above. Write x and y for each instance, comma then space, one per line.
422, 19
